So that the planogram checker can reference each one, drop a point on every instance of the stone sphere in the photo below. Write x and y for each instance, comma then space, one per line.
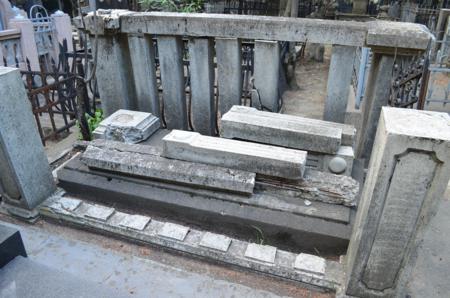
337, 165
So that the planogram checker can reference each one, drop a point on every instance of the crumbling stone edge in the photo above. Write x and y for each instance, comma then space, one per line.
304, 268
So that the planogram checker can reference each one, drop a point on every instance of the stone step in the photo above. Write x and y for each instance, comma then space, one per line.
293, 212
131, 160
248, 123
267, 259
247, 156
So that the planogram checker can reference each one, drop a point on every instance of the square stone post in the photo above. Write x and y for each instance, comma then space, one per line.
377, 95
408, 174
338, 85
25, 174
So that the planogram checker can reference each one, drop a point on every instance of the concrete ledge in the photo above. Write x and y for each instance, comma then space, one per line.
278, 263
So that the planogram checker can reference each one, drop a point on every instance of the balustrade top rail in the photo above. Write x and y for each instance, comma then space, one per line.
382, 34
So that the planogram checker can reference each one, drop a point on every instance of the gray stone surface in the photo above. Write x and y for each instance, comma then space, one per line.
398, 35
215, 241
139, 161
115, 82
127, 126
258, 158
201, 70
272, 128
377, 94
338, 85
315, 186
262, 253
341, 162
142, 54
247, 27
310, 264
282, 266
135, 221
408, 174
170, 53
66, 204
23, 165
173, 231
266, 93
229, 73
98, 212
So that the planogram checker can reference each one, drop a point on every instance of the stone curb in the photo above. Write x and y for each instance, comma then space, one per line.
227, 250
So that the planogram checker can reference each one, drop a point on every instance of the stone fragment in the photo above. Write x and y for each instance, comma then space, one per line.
132, 160
277, 129
98, 212
215, 241
135, 221
127, 126
263, 253
247, 156
174, 231
310, 264
66, 204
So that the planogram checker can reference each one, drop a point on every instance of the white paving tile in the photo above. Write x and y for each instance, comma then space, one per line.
134, 221
263, 253
66, 204
173, 231
310, 264
99, 212
215, 241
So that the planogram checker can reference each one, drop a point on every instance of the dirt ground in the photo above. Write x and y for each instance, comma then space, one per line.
309, 99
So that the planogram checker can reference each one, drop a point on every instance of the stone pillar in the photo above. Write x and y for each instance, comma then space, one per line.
265, 95
338, 86
27, 41
114, 74
25, 174
377, 95
63, 27
408, 174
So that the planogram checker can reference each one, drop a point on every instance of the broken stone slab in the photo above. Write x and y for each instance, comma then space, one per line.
132, 160
315, 186
277, 129
127, 126
258, 158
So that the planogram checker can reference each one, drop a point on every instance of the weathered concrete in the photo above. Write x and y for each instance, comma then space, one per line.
215, 241
246, 27
23, 155
377, 96
252, 157
261, 253
315, 186
408, 174
170, 53
115, 82
272, 128
201, 70
282, 265
127, 126
338, 85
229, 73
266, 94
142, 54
341, 162
327, 226
398, 35
173, 231
132, 160
310, 264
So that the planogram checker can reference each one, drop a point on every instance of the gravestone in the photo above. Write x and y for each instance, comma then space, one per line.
24, 170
